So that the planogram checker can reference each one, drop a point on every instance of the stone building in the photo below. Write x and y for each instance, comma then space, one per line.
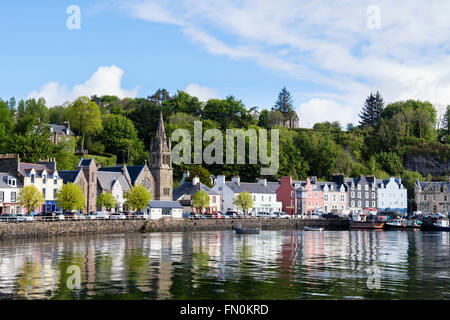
362, 194
77, 177
60, 132
161, 164
432, 197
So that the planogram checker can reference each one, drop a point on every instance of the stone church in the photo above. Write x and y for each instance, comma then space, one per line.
157, 177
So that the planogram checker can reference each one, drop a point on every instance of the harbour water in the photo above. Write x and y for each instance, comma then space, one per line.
222, 265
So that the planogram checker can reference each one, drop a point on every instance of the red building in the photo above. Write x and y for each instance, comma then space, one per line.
287, 196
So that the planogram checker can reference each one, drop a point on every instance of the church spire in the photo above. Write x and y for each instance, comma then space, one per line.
161, 132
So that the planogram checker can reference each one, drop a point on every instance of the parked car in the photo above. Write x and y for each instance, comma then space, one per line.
267, 215
101, 215
282, 215
117, 216
194, 215
231, 215
24, 218
217, 215
6, 217
143, 215
91, 216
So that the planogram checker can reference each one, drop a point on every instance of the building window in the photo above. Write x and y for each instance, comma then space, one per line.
373, 194
13, 197
359, 187
353, 194
373, 204
424, 198
445, 198
316, 194
359, 195
366, 204
55, 193
292, 203
342, 198
366, 187
55, 181
367, 194
2, 196
359, 203
325, 197
44, 193
32, 178
292, 194
44, 179
353, 203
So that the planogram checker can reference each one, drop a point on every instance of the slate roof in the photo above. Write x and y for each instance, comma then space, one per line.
273, 185
85, 162
133, 171
190, 189
61, 129
4, 181
107, 179
25, 169
165, 204
251, 187
69, 175
436, 184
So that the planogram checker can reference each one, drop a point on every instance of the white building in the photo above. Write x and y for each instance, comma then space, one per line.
9, 191
264, 198
392, 195
167, 209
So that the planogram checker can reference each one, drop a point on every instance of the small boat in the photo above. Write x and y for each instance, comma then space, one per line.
441, 225
398, 224
313, 229
247, 230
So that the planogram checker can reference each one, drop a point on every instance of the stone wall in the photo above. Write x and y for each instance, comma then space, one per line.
65, 228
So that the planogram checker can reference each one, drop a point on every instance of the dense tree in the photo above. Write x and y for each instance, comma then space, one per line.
32, 145
57, 114
70, 197
30, 197
243, 201
145, 116
106, 200
138, 197
371, 112
390, 162
201, 172
85, 117
34, 108
264, 119
200, 200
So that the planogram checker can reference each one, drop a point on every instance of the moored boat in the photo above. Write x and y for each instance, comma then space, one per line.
366, 225
441, 225
413, 224
398, 224
362, 222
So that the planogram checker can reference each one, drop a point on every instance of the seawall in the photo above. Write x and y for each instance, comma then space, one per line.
66, 228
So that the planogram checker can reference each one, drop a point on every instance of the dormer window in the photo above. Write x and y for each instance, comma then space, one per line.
12, 182
55, 179
44, 178
32, 176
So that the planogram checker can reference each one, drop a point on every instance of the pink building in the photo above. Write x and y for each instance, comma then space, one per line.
309, 197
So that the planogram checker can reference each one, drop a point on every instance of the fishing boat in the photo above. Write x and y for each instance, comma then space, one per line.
359, 222
397, 224
313, 229
441, 225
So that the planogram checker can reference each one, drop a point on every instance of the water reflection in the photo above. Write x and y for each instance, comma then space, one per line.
221, 265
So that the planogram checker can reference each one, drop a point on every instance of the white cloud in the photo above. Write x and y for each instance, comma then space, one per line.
105, 81
321, 110
325, 42
202, 93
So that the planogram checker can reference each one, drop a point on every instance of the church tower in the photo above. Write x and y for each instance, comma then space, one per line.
161, 164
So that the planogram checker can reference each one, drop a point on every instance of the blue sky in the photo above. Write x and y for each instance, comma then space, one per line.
323, 52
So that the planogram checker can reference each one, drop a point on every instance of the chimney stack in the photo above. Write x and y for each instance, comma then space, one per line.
195, 180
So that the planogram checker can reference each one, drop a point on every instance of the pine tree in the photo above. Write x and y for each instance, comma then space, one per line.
371, 112
284, 103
